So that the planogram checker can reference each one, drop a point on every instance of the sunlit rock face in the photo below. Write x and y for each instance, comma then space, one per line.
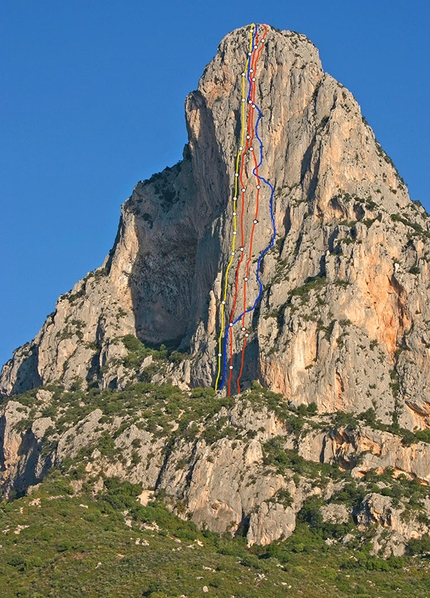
342, 321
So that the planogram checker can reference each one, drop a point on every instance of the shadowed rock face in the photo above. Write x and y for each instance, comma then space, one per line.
342, 321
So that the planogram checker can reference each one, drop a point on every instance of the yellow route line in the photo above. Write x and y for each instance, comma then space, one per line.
235, 197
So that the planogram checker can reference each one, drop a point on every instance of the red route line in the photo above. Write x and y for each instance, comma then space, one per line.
257, 204
249, 141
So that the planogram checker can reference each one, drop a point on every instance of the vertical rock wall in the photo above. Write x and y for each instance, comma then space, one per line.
342, 321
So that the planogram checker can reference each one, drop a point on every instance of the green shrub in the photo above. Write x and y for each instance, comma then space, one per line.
423, 435
312, 283
16, 560
131, 343
251, 561
106, 445
363, 560
305, 409
203, 393
421, 546
311, 513
369, 417
351, 495
138, 351
343, 419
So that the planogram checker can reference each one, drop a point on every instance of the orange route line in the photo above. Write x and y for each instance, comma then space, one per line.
222, 349
249, 139
249, 147
257, 204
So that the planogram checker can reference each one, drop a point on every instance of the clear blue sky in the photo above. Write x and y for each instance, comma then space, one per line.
92, 95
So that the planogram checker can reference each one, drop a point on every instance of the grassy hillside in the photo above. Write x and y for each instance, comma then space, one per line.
56, 544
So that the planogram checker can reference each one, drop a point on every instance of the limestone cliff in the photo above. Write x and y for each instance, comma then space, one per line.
247, 465
343, 318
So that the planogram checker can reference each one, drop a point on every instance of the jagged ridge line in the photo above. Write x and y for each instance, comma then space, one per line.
236, 189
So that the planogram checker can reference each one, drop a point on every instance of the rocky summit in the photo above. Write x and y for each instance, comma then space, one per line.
280, 263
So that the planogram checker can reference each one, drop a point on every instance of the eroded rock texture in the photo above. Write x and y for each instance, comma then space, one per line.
343, 319
243, 470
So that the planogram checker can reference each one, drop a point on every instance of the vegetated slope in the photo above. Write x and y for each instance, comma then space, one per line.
344, 314
56, 544
249, 466
331, 429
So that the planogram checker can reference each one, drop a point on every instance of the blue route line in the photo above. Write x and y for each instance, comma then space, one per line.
272, 240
